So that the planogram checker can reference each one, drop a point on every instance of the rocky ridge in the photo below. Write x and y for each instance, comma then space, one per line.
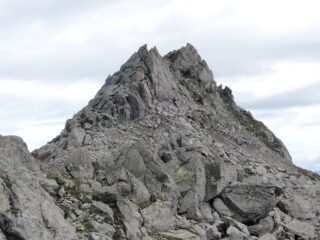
161, 152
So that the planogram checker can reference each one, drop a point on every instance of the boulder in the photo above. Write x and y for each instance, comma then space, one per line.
301, 229
201, 212
249, 203
103, 210
221, 208
267, 236
178, 234
130, 217
106, 194
299, 208
76, 137
265, 225
234, 233
103, 229
159, 153
241, 227
212, 233
154, 214
27, 210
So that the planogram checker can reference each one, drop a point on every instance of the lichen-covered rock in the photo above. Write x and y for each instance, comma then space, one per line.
154, 215
161, 152
26, 210
249, 203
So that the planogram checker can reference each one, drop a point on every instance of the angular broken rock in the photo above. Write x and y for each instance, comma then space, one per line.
131, 218
155, 214
161, 152
221, 208
299, 208
27, 211
266, 225
104, 229
212, 233
249, 203
106, 194
103, 210
301, 229
267, 236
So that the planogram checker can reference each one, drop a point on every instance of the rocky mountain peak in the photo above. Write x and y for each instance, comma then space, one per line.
151, 86
161, 152
147, 78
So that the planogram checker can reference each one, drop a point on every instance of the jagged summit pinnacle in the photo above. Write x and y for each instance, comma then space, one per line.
189, 51
148, 78
179, 83
160, 153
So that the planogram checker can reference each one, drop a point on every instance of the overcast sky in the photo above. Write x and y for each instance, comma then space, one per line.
56, 54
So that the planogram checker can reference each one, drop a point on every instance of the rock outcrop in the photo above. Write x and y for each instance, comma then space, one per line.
161, 152
26, 210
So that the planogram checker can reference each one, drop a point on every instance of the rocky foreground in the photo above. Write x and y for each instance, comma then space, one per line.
162, 153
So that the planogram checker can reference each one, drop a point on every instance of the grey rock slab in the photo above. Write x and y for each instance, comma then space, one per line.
2, 236
267, 236
190, 200
49, 185
103, 229
299, 208
221, 208
32, 213
212, 233
180, 234
102, 210
132, 218
235, 233
218, 176
154, 215
249, 202
265, 225
242, 227
106, 194
76, 137
161, 144
201, 212
139, 193
301, 229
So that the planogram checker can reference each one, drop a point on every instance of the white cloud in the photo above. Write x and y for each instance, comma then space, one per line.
299, 128
259, 48
287, 100
282, 77
48, 91
37, 110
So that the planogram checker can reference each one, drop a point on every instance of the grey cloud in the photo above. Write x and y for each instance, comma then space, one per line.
226, 51
88, 60
313, 164
65, 64
232, 51
25, 26
16, 111
18, 12
305, 96
254, 55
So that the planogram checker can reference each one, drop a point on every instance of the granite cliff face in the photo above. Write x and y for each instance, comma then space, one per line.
161, 152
